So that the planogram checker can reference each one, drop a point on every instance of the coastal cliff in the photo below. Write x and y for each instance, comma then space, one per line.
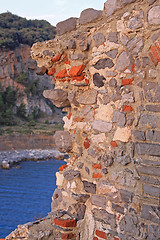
106, 71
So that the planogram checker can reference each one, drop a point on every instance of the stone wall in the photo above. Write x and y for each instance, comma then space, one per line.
106, 72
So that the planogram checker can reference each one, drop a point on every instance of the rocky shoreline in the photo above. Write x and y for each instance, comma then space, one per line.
11, 158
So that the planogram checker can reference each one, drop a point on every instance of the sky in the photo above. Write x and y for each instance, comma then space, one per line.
53, 11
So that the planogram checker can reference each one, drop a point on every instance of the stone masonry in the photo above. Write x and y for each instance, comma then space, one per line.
106, 69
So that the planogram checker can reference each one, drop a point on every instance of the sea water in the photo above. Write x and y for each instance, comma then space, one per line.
26, 192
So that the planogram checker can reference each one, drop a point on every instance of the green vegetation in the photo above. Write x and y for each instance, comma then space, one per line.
15, 30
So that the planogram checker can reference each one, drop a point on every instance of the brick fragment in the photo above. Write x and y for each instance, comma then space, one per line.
68, 235
95, 238
97, 166
153, 59
101, 234
97, 175
86, 143
127, 81
157, 46
127, 108
154, 51
62, 74
62, 167
57, 58
114, 144
65, 222
52, 71
78, 78
76, 70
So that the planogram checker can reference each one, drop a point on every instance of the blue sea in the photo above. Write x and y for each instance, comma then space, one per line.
25, 193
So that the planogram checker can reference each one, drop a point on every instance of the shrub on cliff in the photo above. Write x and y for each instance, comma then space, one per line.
15, 30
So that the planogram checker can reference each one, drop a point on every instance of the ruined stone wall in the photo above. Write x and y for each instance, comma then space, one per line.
106, 70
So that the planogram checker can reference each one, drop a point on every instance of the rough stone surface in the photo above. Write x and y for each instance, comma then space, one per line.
148, 120
119, 118
88, 97
123, 61
153, 136
112, 53
98, 201
66, 26
124, 160
58, 96
148, 148
111, 6
104, 63
89, 15
154, 15
63, 141
104, 217
134, 23
89, 187
150, 213
112, 37
140, 135
151, 190
99, 38
122, 134
98, 80
71, 174
102, 126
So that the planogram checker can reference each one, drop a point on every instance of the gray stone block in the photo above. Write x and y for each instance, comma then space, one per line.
140, 135
71, 174
152, 191
154, 15
149, 120
150, 180
153, 108
134, 23
148, 149
112, 53
89, 187
104, 217
118, 208
111, 6
88, 97
125, 2
89, 15
119, 118
80, 210
154, 171
123, 61
63, 141
98, 80
104, 63
154, 232
126, 196
152, 92
124, 160
99, 201
113, 37
151, 213
153, 136
66, 26
58, 97
81, 198
102, 126
130, 224
99, 38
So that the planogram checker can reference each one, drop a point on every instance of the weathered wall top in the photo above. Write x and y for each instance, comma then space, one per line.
106, 72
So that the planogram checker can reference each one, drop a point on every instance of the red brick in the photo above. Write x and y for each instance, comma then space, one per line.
65, 222
69, 116
127, 81
133, 67
157, 46
76, 70
113, 144
57, 58
86, 143
97, 175
78, 119
66, 60
95, 238
153, 59
127, 108
62, 167
86, 81
154, 51
115, 238
52, 71
79, 78
68, 235
97, 166
62, 74
101, 234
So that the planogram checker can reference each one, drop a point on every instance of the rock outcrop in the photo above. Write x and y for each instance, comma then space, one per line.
109, 65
